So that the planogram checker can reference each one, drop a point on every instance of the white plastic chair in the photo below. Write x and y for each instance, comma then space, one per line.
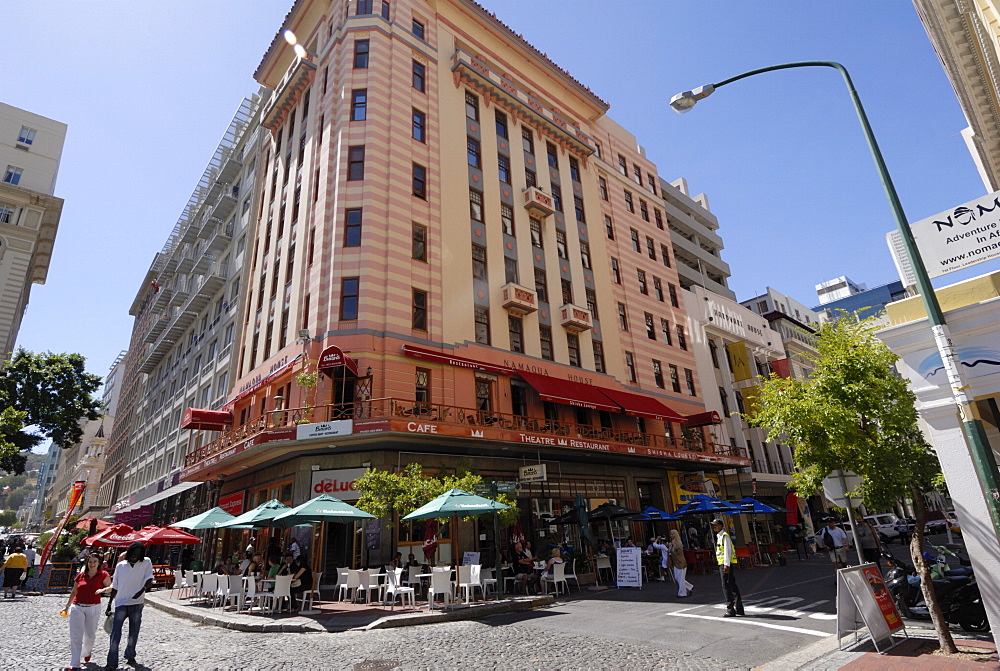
181, 585
364, 585
234, 593
509, 578
557, 577
352, 582
411, 578
341, 579
470, 580
602, 564
440, 584
221, 591
394, 589
207, 586
250, 595
572, 576
489, 582
312, 594
282, 593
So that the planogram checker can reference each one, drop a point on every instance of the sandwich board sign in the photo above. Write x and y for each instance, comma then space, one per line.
630, 567
862, 592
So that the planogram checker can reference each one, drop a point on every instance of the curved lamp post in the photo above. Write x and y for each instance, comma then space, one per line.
975, 435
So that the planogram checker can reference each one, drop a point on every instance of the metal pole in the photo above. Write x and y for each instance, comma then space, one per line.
975, 435
497, 570
850, 517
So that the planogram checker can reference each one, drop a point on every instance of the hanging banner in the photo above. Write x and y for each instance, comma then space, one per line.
75, 496
751, 399
782, 367
739, 360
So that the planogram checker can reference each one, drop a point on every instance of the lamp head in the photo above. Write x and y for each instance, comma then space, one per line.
685, 100
299, 50
290, 37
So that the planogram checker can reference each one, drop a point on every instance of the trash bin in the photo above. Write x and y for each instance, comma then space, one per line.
197, 565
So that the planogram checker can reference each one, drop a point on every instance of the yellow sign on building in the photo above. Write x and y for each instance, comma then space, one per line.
739, 360
686, 485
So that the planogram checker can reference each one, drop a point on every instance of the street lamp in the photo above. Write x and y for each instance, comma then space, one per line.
975, 435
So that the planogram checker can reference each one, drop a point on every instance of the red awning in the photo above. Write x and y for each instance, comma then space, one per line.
569, 392
642, 406
209, 420
334, 357
461, 362
703, 419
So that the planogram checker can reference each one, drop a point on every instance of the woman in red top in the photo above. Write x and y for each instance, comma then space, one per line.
84, 609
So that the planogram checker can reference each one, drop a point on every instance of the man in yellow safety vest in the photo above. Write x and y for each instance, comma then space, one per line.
725, 556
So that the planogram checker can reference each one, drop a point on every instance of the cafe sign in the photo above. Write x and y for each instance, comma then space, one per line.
532, 473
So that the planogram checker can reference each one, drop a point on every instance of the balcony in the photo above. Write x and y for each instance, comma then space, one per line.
286, 95
159, 323
226, 204
219, 237
574, 318
517, 299
538, 203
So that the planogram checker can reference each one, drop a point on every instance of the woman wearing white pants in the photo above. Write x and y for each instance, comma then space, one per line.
84, 608
679, 564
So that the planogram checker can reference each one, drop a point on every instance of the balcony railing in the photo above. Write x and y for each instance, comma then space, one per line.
449, 415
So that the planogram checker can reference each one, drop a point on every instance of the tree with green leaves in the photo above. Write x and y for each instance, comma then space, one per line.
7, 518
43, 396
855, 414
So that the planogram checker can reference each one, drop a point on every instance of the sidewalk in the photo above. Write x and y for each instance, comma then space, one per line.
913, 654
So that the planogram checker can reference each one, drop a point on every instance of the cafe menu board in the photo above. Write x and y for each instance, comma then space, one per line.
470, 558
870, 599
630, 567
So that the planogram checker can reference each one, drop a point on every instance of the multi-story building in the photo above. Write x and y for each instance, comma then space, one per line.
796, 325
30, 150
46, 477
696, 244
185, 333
965, 35
508, 319
841, 297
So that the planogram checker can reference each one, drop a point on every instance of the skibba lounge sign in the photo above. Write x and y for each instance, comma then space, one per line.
954, 239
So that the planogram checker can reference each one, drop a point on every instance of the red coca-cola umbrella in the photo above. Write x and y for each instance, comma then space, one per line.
85, 522
118, 536
154, 535
430, 538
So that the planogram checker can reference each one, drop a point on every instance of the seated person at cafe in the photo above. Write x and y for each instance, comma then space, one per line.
301, 578
524, 568
243, 563
255, 567
556, 558
397, 561
412, 560
273, 567
286, 564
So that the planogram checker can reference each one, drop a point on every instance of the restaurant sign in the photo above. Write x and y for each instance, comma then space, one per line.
340, 427
532, 473
339, 484
232, 503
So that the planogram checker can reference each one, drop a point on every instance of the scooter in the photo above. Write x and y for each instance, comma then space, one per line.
958, 596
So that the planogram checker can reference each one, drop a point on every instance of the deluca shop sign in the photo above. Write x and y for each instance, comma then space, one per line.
338, 484
954, 239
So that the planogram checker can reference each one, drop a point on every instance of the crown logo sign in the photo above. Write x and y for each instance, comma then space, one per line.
477, 433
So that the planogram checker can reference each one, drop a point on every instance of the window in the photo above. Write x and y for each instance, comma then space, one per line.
419, 126
419, 310
665, 330
581, 216
365, 7
637, 171
349, 298
681, 339
422, 386
622, 317
567, 291
616, 274
417, 29
6, 214
515, 331
471, 106
659, 218
675, 380
482, 325
689, 379
599, 357
557, 197
501, 124
561, 244
479, 262
360, 54
536, 232
355, 163
650, 328
510, 270
658, 374
628, 202
545, 338
385, 10
419, 181
658, 288
503, 168
507, 218
643, 210
527, 140
26, 136
529, 177
359, 104
541, 286
665, 255
585, 254
352, 228
592, 302
650, 247
476, 205
574, 169
13, 175
672, 290
419, 247
630, 367
472, 149
643, 288
635, 239
419, 76
714, 351
550, 151
652, 183
725, 402
609, 227
573, 349
622, 165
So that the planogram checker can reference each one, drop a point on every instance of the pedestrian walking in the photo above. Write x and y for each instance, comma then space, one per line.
836, 542
14, 568
83, 608
133, 578
664, 549
725, 556
904, 531
871, 546
679, 564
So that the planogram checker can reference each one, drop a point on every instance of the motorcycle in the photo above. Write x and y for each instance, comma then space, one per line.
958, 595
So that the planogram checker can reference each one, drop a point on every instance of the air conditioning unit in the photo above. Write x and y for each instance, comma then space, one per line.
542, 507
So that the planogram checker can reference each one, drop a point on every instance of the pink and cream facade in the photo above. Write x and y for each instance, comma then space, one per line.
459, 259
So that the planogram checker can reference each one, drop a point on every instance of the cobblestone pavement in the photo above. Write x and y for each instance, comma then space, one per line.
37, 638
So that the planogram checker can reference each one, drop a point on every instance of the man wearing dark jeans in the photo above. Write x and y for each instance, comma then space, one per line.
133, 578
725, 556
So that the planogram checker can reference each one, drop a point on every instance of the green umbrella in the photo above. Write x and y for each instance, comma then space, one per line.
323, 508
210, 519
456, 502
261, 516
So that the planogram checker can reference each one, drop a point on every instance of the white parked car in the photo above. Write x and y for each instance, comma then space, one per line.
884, 524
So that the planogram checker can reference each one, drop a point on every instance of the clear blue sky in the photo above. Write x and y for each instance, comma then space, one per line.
147, 90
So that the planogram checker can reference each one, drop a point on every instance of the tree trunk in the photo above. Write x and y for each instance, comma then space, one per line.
946, 642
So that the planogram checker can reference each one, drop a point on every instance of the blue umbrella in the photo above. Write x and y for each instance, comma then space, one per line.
751, 506
651, 513
704, 504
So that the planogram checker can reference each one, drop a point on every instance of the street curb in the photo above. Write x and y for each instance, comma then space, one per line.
803, 657
476, 612
231, 622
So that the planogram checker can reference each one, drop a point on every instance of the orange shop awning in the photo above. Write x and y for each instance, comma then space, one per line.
208, 420
569, 392
461, 362
636, 405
